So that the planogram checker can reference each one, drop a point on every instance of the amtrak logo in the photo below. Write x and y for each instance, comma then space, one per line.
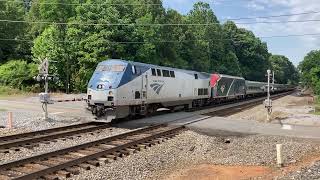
156, 87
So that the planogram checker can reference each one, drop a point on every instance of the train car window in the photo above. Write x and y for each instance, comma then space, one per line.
172, 74
195, 76
205, 91
165, 73
138, 70
158, 72
134, 70
137, 95
153, 72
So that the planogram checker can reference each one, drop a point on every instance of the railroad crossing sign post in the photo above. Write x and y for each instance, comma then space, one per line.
44, 75
268, 101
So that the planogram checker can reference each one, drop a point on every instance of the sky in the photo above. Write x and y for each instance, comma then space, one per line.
295, 48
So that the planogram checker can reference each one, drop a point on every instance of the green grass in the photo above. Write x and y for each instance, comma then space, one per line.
2, 110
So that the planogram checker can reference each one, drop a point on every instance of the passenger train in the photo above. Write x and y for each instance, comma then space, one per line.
119, 89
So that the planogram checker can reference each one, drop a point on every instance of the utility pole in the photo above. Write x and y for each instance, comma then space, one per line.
268, 101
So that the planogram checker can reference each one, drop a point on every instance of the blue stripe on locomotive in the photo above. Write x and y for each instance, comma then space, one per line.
116, 79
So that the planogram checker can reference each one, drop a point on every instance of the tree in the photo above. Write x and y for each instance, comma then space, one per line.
309, 69
251, 52
285, 72
11, 10
17, 73
55, 47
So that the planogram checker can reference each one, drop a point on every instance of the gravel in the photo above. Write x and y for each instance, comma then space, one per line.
190, 148
32, 121
311, 172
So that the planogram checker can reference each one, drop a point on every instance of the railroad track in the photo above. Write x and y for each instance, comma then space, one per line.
66, 162
32, 139
244, 105
29, 140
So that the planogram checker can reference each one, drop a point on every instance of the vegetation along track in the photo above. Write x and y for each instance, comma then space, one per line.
65, 162
31, 139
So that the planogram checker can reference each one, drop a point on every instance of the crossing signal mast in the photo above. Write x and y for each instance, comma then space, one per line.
44, 76
268, 101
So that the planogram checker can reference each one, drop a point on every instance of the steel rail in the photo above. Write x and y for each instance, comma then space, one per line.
150, 133
50, 137
33, 133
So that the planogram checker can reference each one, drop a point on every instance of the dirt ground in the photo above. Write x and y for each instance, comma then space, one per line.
218, 172
222, 172
292, 109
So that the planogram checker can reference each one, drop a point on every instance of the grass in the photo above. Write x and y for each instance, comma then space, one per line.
2, 110
6, 91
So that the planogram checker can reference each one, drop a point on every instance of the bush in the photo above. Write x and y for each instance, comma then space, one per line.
17, 74
5, 90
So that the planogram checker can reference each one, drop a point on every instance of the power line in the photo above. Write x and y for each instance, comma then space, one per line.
272, 16
290, 35
86, 4
172, 41
152, 24
160, 4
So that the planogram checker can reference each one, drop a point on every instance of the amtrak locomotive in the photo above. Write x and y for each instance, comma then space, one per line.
120, 89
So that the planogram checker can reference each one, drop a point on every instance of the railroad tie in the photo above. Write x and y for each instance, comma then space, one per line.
36, 166
105, 160
85, 152
51, 177
84, 166
106, 146
11, 173
142, 146
63, 174
73, 170
111, 156
93, 163
94, 149
77, 154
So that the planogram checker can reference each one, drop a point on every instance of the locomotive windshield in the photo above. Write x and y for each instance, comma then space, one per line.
110, 68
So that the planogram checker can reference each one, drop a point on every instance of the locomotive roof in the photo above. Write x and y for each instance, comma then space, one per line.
203, 74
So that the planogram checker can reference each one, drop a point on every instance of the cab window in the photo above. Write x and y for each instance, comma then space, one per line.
165, 73
153, 72
172, 74
158, 72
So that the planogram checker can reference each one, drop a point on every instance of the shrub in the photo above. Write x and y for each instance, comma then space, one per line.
17, 74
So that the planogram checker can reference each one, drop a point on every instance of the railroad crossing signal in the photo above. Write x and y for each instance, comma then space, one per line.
268, 102
44, 67
44, 75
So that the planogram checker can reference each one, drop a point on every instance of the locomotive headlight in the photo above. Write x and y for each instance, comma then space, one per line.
100, 86
110, 92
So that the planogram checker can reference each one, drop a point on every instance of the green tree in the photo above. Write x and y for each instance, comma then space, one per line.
285, 72
11, 10
309, 69
17, 73
251, 52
